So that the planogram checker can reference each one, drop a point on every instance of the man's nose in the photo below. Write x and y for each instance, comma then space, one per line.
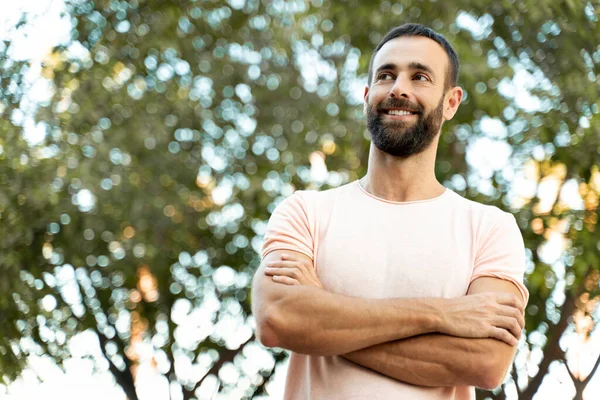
400, 88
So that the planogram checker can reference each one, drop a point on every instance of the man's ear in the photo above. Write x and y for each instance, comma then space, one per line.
366, 100
453, 99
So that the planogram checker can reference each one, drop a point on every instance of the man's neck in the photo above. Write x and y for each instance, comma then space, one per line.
402, 179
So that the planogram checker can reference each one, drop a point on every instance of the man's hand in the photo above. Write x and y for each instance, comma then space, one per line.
291, 270
483, 315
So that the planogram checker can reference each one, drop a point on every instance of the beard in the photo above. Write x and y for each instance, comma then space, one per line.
398, 138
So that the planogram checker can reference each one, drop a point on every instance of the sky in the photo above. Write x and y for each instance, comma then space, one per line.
81, 380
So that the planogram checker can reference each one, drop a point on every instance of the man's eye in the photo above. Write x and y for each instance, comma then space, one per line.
385, 76
421, 77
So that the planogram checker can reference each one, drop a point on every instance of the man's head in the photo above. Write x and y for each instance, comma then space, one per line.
416, 30
411, 89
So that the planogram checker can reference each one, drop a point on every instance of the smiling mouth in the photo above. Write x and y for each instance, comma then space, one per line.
399, 112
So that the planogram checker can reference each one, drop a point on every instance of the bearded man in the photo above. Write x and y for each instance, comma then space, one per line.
393, 286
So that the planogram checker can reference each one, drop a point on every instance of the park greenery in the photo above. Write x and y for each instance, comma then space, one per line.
173, 128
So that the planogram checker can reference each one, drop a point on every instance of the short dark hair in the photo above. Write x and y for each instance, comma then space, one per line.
421, 30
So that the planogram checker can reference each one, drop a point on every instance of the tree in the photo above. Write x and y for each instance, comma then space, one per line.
174, 128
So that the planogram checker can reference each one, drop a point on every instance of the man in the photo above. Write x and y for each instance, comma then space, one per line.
394, 287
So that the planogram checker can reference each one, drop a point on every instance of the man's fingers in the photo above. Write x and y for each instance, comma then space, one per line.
503, 335
515, 314
520, 319
291, 272
295, 258
511, 300
511, 325
286, 280
284, 264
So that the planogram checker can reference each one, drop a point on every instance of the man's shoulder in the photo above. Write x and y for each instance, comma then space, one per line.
483, 217
324, 196
319, 204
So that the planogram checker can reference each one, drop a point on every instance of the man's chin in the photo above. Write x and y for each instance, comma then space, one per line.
397, 127
398, 122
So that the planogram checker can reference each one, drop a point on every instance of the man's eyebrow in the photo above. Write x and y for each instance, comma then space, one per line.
414, 65
421, 67
384, 67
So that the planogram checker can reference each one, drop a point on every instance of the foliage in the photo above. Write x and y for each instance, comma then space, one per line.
182, 125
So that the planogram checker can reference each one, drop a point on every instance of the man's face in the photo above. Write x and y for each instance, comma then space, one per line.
405, 102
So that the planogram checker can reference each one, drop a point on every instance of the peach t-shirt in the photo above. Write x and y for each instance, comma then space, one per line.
363, 246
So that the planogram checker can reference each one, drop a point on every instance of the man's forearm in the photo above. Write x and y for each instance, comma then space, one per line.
439, 360
313, 321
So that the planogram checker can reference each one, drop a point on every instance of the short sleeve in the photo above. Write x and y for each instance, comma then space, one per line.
288, 228
502, 253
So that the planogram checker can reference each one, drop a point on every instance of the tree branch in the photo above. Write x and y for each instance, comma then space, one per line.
260, 389
571, 374
515, 378
225, 355
123, 378
552, 349
591, 374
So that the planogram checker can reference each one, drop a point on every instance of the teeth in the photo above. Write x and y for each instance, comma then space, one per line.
399, 112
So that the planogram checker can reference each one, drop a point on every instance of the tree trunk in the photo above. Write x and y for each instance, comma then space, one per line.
579, 387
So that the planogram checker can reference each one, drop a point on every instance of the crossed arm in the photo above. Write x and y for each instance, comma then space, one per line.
444, 360
426, 342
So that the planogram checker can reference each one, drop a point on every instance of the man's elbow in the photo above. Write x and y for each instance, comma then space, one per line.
490, 380
275, 328
267, 328
494, 371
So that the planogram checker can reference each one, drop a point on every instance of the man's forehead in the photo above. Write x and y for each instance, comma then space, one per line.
405, 50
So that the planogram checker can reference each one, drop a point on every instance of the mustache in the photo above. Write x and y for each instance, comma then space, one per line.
399, 103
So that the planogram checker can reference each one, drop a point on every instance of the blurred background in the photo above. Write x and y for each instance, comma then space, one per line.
144, 144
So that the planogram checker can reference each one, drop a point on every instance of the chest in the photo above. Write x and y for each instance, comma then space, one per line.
400, 254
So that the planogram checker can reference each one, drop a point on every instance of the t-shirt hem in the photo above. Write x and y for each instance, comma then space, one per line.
270, 250
516, 282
